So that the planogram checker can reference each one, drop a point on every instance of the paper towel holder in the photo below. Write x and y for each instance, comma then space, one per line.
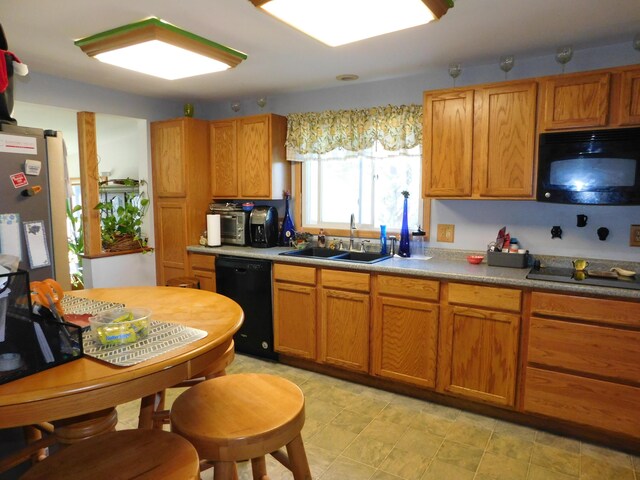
213, 230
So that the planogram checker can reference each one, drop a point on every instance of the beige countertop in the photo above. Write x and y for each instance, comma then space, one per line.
441, 266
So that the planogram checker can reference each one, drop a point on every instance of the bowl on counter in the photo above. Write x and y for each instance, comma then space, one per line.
120, 326
475, 259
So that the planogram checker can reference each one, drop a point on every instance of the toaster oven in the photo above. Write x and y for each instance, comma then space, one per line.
234, 223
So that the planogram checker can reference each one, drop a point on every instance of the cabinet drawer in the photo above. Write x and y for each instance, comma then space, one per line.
489, 297
357, 282
612, 312
408, 287
294, 273
592, 349
585, 401
202, 262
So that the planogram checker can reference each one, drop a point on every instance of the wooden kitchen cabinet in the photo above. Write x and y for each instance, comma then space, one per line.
181, 172
294, 310
203, 267
344, 319
478, 350
480, 143
583, 361
223, 139
628, 97
248, 157
405, 329
447, 150
579, 100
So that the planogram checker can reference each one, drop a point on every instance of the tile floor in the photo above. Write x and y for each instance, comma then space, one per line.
353, 432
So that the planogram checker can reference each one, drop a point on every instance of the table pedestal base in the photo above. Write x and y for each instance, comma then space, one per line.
75, 429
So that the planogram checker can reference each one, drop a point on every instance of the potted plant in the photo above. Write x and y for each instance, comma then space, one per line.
121, 226
301, 239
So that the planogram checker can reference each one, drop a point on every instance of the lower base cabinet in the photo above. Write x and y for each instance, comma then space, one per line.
344, 320
294, 310
478, 354
405, 330
203, 268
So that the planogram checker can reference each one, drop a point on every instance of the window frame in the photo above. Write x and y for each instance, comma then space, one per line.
297, 196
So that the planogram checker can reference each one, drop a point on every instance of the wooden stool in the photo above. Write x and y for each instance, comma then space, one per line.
152, 413
244, 416
122, 455
184, 282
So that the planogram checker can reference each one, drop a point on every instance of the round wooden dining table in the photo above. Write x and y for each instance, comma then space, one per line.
83, 393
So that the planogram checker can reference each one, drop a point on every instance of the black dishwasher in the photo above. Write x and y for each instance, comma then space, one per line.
247, 281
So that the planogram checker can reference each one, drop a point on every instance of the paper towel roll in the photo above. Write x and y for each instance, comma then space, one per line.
213, 230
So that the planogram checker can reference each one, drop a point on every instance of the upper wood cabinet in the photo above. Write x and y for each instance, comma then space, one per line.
579, 100
223, 138
480, 143
248, 157
180, 168
447, 143
599, 99
628, 105
504, 141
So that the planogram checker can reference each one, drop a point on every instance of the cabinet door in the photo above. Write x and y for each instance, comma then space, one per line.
224, 166
405, 340
504, 141
254, 159
478, 354
575, 101
203, 268
171, 240
294, 319
629, 99
169, 162
447, 143
344, 329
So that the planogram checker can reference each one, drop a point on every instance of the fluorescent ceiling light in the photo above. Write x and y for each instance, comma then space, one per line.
338, 22
157, 48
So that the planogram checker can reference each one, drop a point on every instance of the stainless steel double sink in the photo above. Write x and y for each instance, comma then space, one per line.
338, 255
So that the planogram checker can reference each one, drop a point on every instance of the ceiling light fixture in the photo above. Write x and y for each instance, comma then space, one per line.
338, 22
157, 48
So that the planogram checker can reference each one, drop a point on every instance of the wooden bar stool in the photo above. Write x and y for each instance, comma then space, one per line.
244, 416
152, 407
122, 455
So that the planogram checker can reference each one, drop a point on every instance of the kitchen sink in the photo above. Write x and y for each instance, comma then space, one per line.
340, 255
316, 252
362, 257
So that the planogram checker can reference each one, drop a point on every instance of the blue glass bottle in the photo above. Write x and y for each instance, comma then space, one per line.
288, 229
404, 250
383, 239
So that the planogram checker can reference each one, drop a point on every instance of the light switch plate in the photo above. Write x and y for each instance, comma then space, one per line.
445, 232
634, 237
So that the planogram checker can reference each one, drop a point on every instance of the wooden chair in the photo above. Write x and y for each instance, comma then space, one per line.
122, 455
152, 407
244, 416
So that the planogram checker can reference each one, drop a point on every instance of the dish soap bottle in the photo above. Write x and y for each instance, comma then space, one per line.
321, 239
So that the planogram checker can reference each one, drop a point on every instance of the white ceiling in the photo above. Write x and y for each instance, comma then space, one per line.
281, 59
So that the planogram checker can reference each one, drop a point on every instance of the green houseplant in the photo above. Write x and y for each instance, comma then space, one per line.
121, 226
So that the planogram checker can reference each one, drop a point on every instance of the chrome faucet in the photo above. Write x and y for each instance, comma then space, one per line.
352, 227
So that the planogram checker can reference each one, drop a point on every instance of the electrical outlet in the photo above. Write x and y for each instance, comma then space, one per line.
634, 237
445, 233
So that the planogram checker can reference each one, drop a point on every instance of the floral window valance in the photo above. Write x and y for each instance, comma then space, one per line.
394, 127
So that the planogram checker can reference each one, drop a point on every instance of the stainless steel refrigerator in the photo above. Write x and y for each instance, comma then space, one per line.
33, 201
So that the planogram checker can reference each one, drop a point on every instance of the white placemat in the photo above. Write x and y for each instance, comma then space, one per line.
163, 337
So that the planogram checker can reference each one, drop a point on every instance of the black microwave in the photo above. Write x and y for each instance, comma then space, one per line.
596, 167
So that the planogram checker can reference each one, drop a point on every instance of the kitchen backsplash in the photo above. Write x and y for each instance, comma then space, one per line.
477, 223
